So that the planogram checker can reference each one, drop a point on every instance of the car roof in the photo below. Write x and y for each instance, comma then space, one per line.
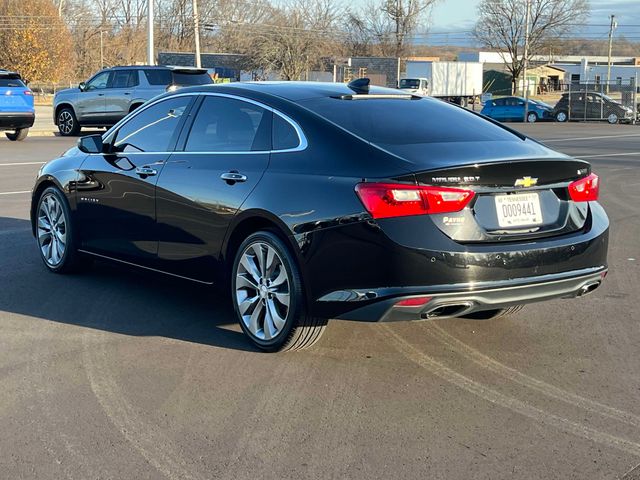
9, 73
158, 67
294, 91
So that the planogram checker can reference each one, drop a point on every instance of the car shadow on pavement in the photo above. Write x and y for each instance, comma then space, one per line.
110, 297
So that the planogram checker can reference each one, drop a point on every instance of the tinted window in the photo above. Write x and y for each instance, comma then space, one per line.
191, 78
100, 81
153, 129
124, 79
410, 83
284, 135
228, 125
158, 77
10, 82
500, 102
403, 121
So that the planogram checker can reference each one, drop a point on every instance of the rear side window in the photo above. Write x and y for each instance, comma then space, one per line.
10, 82
180, 78
153, 129
158, 77
124, 79
285, 136
228, 125
405, 122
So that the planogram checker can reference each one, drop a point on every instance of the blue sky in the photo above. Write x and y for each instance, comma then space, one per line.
460, 16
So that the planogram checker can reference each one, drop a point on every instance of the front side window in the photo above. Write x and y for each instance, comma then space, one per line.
225, 124
98, 82
153, 129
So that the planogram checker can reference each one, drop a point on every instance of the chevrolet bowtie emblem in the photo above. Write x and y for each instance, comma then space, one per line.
526, 182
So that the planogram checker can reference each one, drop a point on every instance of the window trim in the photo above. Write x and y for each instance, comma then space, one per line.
302, 139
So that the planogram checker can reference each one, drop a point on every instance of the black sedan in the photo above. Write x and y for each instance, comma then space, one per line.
318, 201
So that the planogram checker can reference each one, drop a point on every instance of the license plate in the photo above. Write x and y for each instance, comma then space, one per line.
522, 209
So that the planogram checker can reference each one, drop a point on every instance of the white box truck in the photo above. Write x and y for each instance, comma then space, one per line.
458, 82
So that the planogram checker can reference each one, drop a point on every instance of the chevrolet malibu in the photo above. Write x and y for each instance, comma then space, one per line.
316, 201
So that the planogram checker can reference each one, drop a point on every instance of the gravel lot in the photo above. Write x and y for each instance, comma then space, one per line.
117, 373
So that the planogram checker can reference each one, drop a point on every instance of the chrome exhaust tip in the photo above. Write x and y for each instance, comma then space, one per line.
588, 288
448, 310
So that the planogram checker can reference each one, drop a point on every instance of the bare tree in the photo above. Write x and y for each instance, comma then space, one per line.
501, 27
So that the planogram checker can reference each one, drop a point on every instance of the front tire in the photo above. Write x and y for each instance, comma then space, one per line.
268, 296
67, 123
55, 232
612, 119
17, 136
532, 117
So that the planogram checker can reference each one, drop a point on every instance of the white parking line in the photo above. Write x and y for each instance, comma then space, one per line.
609, 155
21, 163
15, 193
589, 138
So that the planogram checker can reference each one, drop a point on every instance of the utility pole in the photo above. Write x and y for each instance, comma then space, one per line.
196, 32
101, 51
612, 27
150, 56
526, 59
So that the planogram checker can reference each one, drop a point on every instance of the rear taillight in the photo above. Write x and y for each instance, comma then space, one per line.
28, 92
586, 189
413, 302
384, 200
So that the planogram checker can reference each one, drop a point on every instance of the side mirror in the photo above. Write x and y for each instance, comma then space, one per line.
91, 144
82, 86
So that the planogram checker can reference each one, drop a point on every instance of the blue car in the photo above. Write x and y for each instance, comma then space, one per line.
511, 109
17, 113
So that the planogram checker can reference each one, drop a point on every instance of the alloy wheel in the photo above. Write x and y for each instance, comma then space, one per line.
532, 117
52, 230
262, 291
65, 122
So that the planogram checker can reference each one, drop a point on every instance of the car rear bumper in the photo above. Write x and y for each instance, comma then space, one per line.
16, 120
457, 300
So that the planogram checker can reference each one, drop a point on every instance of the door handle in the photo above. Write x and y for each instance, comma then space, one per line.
233, 177
127, 93
146, 171
101, 94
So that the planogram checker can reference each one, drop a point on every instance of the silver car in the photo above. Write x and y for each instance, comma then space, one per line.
114, 92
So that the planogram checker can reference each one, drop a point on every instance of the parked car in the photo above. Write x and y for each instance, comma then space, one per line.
17, 112
316, 201
512, 109
591, 106
112, 93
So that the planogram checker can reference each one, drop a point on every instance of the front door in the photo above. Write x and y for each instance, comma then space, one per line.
90, 107
202, 187
119, 94
116, 201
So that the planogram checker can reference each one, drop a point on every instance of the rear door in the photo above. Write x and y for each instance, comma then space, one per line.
119, 94
202, 187
116, 191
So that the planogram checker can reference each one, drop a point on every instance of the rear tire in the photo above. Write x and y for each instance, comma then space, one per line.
268, 296
67, 123
562, 116
17, 136
493, 314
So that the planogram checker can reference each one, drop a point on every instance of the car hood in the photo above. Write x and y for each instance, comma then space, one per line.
67, 92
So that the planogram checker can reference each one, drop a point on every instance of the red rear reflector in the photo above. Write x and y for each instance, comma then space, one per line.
384, 200
586, 189
28, 92
413, 302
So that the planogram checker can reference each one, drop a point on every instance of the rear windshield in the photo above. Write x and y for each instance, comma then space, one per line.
404, 121
11, 82
181, 78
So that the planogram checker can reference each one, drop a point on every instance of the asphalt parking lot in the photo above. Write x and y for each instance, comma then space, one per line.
116, 373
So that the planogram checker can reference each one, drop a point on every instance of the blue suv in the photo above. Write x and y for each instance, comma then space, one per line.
17, 113
511, 109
